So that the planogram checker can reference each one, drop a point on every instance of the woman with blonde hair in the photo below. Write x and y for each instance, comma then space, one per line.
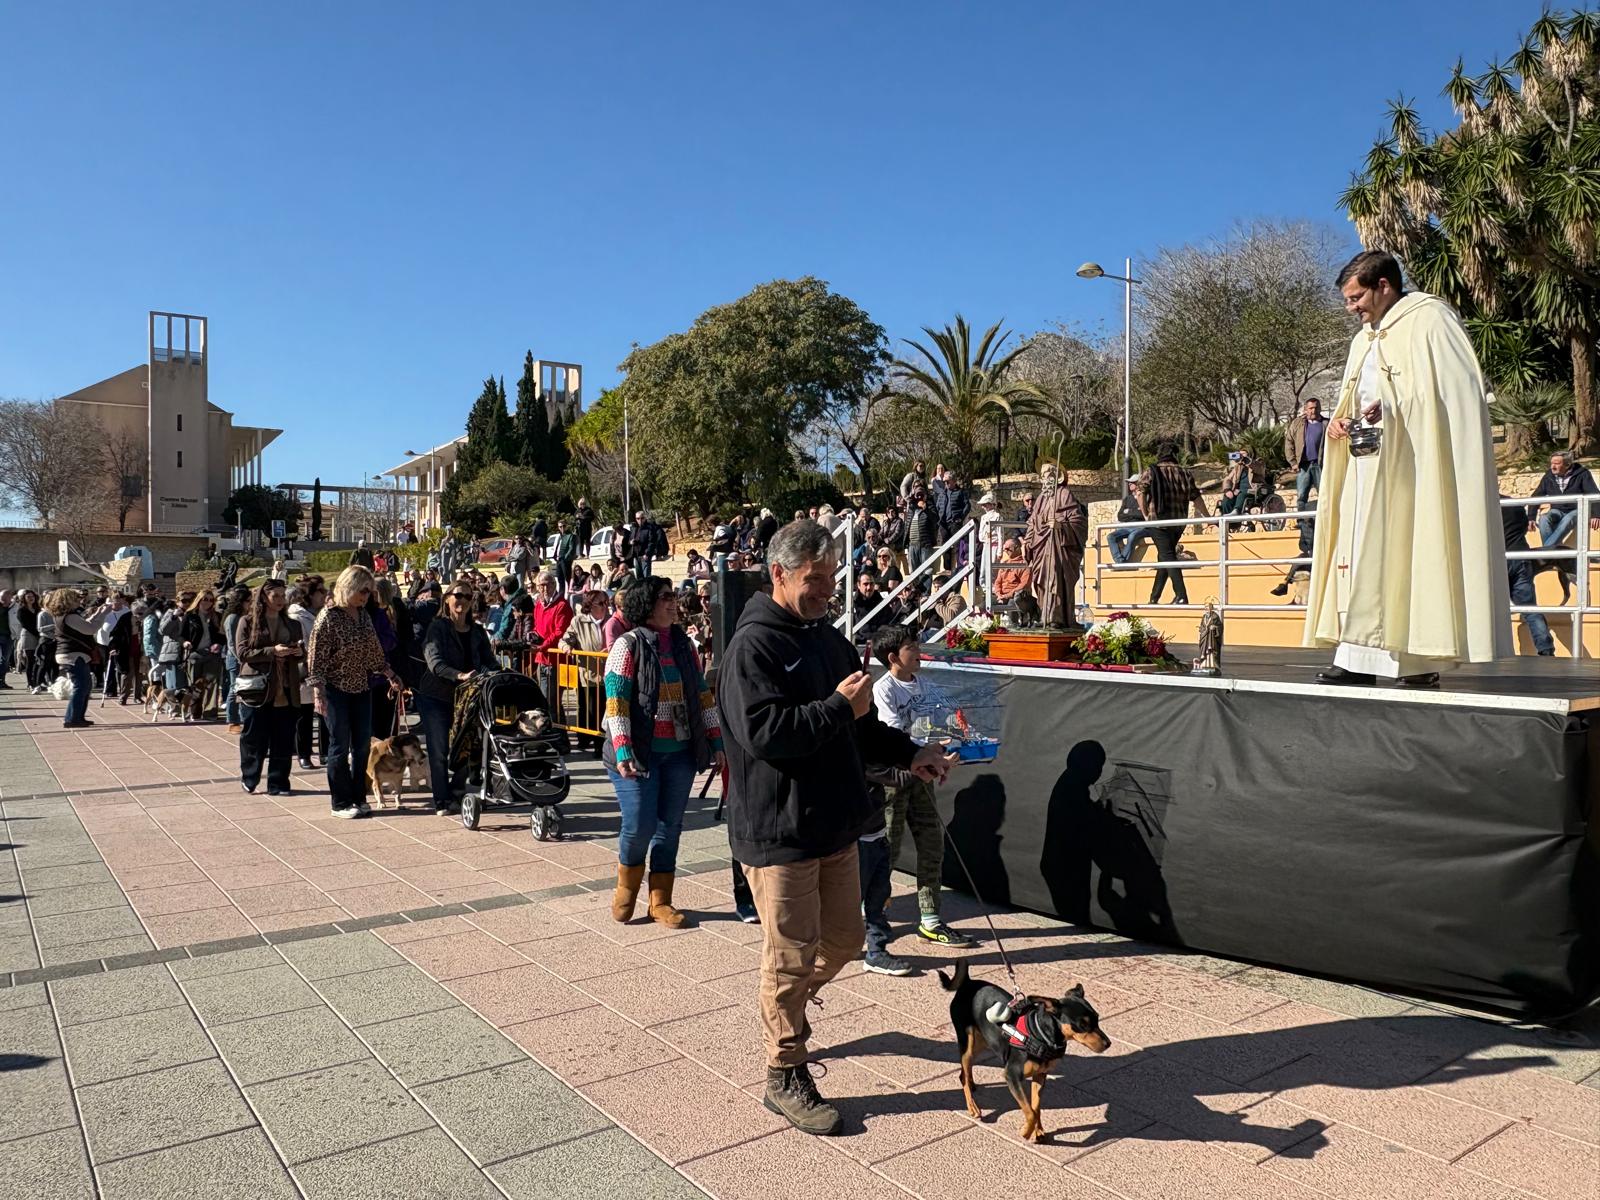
203, 643
75, 645
344, 653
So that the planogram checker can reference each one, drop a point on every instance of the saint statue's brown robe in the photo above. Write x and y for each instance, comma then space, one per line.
1053, 545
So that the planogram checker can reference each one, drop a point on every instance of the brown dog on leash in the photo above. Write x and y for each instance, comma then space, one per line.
389, 761
1029, 1033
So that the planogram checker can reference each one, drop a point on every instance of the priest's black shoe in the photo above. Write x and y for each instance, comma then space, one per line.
1348, 678
1427, 679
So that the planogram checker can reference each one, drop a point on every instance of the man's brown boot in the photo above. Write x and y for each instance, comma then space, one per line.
661, 910
627, 893
792, 1094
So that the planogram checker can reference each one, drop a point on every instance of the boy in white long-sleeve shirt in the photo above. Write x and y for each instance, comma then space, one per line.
902, 697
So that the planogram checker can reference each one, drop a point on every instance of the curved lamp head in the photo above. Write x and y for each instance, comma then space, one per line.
1091, 271
412, 454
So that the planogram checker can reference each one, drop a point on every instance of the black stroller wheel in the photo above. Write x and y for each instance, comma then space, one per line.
471, 808
546, 823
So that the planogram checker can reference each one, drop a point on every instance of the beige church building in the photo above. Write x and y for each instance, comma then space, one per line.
197, 456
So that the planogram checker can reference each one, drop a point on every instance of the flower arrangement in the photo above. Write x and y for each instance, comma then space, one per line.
1123, 640
971, 633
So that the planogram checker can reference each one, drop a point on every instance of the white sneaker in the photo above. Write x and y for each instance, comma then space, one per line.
36, 689
348, 814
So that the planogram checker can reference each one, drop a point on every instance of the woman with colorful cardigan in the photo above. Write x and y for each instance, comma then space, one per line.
661, 729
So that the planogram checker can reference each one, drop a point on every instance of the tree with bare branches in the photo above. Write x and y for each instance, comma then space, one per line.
43, 449
124, 461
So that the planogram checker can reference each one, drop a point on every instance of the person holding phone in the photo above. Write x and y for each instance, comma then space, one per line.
345, 651
267, 641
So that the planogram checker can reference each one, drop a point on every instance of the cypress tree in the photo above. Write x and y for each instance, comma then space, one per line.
316, 509
532, 427
558, 457
488, 431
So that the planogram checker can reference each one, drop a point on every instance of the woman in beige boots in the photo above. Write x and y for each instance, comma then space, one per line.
661, 730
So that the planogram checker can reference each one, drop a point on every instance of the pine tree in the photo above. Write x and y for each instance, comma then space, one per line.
489, 436
531, 433
558, 457
316, 509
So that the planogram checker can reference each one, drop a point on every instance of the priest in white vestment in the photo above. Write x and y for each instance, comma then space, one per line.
1408, 573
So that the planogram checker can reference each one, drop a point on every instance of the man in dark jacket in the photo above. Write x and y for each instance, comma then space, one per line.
798, 726
1566, 477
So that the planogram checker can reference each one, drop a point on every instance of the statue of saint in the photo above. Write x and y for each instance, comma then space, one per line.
1210, 660
1053, 543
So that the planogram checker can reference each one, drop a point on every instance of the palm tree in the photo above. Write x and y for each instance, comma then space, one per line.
962, 387
1500, 215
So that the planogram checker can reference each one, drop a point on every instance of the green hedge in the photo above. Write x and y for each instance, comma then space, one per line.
327, 562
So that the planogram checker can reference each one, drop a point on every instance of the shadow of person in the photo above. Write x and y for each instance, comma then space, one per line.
974, 830
1161, 1093
1108, 847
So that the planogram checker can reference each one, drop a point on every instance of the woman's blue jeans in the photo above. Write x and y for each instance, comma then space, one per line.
235, 714
652, 811
82, 684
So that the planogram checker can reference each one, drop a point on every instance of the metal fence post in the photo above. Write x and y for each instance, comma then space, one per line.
849, 580
1585, 512
1222, 559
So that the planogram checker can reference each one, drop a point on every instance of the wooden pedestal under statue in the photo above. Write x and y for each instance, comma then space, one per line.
1033, 645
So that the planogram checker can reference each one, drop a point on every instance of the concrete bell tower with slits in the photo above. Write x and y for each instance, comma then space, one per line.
180, 422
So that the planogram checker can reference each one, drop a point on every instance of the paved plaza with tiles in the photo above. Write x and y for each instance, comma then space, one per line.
211, 994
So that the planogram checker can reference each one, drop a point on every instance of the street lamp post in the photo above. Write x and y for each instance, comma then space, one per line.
1091, 270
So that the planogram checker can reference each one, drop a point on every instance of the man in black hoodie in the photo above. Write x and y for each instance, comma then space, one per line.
798, 725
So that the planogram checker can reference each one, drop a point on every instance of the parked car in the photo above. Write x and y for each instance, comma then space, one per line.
599, 546
494, 550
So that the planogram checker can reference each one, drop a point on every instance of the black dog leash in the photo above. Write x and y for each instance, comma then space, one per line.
983, 905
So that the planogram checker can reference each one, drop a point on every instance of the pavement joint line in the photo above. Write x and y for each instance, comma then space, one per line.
126, 787
277, 937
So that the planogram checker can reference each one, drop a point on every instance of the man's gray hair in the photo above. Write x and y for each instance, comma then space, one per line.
799, 543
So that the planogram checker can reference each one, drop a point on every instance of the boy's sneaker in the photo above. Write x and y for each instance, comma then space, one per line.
887, 964
939, 932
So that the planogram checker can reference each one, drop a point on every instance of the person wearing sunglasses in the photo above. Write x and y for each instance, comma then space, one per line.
454, 650
344, 652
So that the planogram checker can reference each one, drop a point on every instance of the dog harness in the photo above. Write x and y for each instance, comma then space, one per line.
1027, 1035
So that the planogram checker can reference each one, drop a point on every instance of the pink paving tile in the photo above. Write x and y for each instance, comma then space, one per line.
699, 956
579, 903
706, 1114
330, 854
455, 955
876, 1038
881, 1119
625, 933
205, 925
273, 898
726, 1042
481, 890
403, 854
492, 853
437, 878
530, 876
213, 838
767, 1169
1538, 1161
230, 855
589, 1044
139, 851
300, 918
1204, 1107
1193, 991
581, 955
1232, 1052
1523, 1094
652, 994
975, 1162
516, 994
1412, 1116
412, 931
180, 897
577, 853
135, 879
190, 818
1159, 1163
369, 901
347, 875
1353, 1163
251, 875
1075, 1123
724, 924
521, 923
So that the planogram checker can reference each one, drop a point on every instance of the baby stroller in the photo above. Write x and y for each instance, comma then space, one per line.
515, 766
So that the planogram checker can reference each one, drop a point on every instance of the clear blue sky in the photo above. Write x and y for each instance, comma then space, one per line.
378, 204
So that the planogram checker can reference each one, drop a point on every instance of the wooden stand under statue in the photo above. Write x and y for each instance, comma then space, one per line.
1033, 645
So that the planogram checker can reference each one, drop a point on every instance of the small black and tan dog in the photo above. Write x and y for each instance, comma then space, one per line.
1030, 1036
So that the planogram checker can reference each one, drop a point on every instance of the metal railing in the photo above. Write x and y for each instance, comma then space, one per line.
1585, 550
850, 621
578, 705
